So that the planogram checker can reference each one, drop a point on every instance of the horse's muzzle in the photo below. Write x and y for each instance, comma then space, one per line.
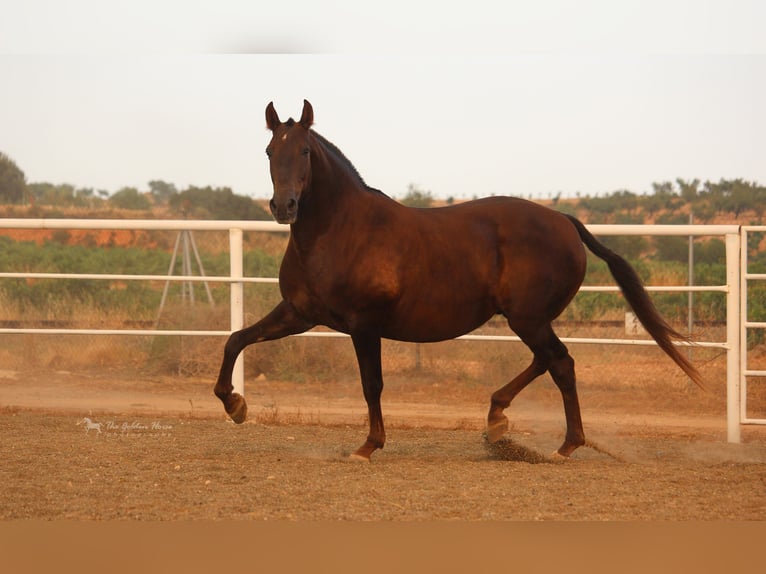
284, 211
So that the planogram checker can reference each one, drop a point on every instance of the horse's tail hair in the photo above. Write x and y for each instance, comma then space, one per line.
637, 297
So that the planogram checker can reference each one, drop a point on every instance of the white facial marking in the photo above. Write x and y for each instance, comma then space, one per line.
284, 137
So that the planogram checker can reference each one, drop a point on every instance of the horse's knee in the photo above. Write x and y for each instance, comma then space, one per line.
233, 344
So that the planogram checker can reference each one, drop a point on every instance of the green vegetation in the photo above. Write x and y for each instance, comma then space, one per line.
130, 198
194, 202
35, 298
416, 197
672, 202
12, 181
218, 203
64, 195
663, 260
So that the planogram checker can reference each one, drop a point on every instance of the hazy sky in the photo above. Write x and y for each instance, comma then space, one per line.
481, 98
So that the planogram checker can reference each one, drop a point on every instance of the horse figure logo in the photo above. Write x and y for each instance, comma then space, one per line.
90, 425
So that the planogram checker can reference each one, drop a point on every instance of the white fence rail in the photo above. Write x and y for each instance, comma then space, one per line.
734, 288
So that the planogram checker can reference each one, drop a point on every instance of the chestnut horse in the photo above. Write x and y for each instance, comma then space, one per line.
361, 263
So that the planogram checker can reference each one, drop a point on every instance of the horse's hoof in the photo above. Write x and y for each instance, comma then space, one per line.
238, 410
358, 458
557, 457
496, 430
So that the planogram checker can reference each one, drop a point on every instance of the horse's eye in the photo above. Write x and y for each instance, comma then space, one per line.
268, 152
306, 151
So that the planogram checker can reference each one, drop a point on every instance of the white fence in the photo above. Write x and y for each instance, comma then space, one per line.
735, 290
746, 324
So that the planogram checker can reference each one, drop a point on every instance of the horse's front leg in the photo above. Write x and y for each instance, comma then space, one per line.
367, 349
281, 322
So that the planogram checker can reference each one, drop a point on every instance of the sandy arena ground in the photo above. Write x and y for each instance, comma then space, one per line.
164, 450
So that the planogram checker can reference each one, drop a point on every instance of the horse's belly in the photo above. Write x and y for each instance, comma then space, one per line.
430, 333
435, 323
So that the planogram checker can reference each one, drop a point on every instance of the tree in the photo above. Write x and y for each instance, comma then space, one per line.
162, 191
743, 196
665, 195
130, 198
689, 189
417, 198
50, 194
13, 182
716, 195
216, 203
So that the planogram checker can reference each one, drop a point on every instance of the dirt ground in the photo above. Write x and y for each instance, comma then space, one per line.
164, 450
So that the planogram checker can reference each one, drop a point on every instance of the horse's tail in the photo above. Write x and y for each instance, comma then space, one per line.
639, 300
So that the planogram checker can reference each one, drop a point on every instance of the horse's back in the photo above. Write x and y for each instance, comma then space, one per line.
539, 256
519, 228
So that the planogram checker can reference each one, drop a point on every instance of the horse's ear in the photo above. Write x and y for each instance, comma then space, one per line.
307, 117
272, 119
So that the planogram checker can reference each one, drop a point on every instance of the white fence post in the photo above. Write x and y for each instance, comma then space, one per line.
733, 335
237, 303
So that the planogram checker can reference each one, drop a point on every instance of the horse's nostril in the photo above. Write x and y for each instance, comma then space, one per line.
272, 205
291, 203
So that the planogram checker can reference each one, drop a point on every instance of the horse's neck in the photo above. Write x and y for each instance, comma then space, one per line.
335, 193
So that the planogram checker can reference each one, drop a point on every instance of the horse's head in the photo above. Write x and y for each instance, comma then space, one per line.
289, 161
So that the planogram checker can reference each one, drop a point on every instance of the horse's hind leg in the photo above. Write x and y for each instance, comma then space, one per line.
497, 422
368, 356
539, 337
563, 373
550, 354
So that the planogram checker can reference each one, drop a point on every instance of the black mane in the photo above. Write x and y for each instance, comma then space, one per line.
339, 154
